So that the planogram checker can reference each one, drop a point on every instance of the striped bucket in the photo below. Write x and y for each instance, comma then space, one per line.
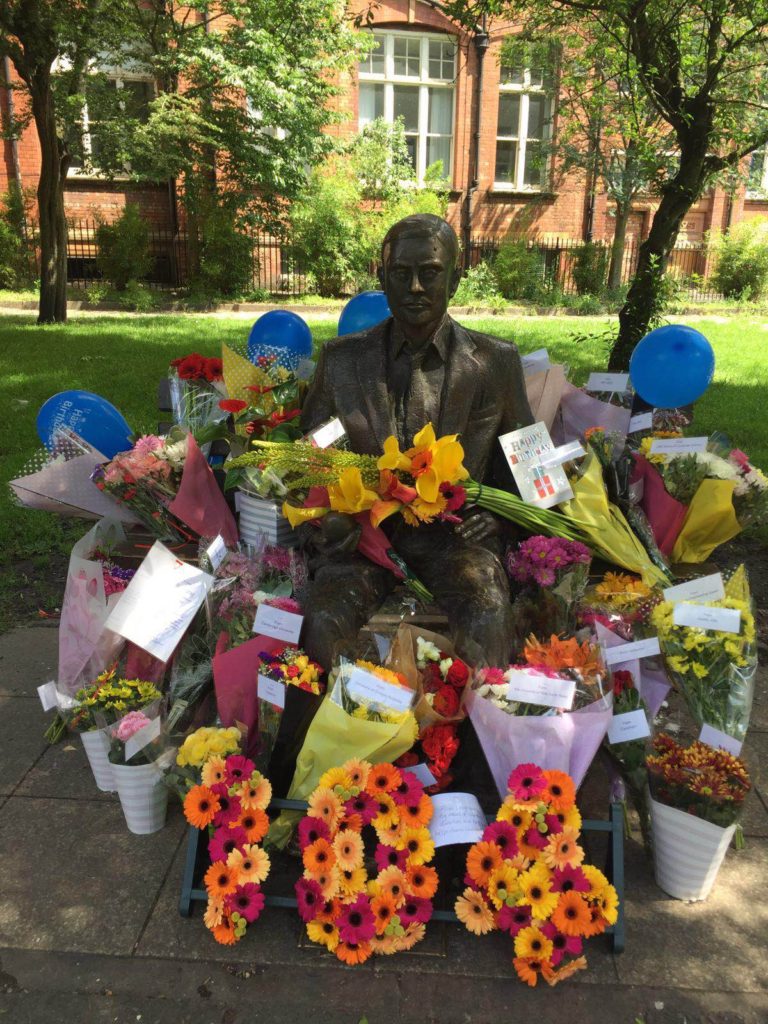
687, 851
96, 746
261, 519
143, 796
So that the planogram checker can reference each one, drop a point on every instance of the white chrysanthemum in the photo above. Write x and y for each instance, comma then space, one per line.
425, 651
175, 453
445, 666
717, 467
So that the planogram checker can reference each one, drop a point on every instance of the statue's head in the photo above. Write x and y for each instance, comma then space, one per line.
419, 268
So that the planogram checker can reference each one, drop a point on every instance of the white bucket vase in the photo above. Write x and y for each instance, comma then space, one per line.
687, 851
261, 519
143, 797
96, 745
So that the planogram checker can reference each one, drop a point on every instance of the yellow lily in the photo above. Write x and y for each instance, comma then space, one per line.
446, 467
382, 510
296, 516
351, 495
393, 458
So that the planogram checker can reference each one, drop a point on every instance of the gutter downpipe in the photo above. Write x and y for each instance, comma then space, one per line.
482, 42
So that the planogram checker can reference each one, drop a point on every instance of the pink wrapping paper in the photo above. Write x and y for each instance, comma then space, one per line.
665, 513
566, 742
580, 411
235, 678
652, 684
200, 503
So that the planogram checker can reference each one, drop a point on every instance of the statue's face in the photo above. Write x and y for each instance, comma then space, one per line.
419, 279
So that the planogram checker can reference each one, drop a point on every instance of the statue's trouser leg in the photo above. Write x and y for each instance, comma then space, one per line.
340, 600
470, 585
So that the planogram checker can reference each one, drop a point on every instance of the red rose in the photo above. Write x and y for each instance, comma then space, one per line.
622, 680
432, 680
446, 702
457, 674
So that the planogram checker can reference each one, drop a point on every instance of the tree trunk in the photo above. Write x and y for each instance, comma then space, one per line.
623, 211
50, 198
644, 300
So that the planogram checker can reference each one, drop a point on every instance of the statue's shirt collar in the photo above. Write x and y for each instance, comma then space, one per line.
439, 341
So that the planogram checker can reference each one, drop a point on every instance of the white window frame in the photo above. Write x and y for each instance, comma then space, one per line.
524, 90
761, 192
423, 82
119, 76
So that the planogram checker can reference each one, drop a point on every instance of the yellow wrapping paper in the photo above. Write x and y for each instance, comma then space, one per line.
333, 738
240, 374
709, 522
610, 535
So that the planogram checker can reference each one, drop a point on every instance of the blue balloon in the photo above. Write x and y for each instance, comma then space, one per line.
672, 366
283, 334
363, 311
90, 416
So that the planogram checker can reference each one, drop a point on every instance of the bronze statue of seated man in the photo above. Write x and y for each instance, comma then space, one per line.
416, 367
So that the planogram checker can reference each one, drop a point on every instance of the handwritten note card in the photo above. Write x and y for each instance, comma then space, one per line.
366, 686
529, 688
641, 421
701, 616
457, 818
678, 445
274, 622
271, 690
217, 552
615, 383
160, 602
535, 362
648, 648
632, 725
705, 588
714, 738
328, 434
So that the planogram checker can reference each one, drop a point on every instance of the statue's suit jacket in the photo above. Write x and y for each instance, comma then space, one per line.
483, 394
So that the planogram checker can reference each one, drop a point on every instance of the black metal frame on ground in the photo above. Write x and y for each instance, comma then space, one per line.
191, 891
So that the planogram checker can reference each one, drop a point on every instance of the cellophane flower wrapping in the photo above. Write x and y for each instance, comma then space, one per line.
553, 574
196, 387
714, 670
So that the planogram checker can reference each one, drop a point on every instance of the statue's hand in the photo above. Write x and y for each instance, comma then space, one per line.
478, 525
337, 537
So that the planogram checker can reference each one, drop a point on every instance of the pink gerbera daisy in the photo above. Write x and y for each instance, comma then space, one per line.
309, 897
225, 840
514, 919
388, 856
310, 829
356, 922
247, 900
561, 944
534, 838
566, 878
364, 805
505, 837
526, 782
229, 806
238, 768
410, 790
414, 909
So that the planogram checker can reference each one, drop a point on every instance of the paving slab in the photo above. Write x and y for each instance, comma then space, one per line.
719, 942
29, 656
63, 773
74, 878
21, 739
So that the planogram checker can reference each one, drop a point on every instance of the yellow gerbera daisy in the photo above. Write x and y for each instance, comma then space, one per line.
533, 944
536, 891
352, 881
418, 843
335, 777
608, 902
511, 812
596, 879
388, 814
502, 884
323, 932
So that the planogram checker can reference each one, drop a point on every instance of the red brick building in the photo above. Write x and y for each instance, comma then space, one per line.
487, 123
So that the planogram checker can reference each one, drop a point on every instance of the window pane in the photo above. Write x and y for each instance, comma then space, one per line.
371, 102
407, 106
511, 75
440, 111
136, 97
533, 174
506, 157
756, 165
439, 149
536, 115
509, 115
373, 62
407, 53
441, 60
411, 142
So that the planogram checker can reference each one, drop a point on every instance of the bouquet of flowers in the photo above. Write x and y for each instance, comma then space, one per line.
564, 737
714, 669
126, 728
709, 783
292, 670
554, 574
698, 500
197, 386
230, 803
628, 757
527, 877
272, 407
347, 907
107, 699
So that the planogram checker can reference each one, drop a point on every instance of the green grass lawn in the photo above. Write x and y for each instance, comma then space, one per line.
123, 358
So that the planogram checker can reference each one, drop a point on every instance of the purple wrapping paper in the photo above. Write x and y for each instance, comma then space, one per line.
580, 411
652, 684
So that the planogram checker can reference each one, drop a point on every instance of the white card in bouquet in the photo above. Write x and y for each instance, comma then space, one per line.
529, 688
366, 686
535, 362
705, 588
523, 450
271, 690
714, 738
140, 739
701, 616
456, 818
640, 421
328, 434
48, 695
217, 552
647, 648
278, 624
678, 445
160, 602
422, 773
613, 383
632, 725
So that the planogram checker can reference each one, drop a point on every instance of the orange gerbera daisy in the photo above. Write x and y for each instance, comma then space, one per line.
353, 952
482, 861
418, 844
255, 792
421, 881
385, 945
527, 970
214, 771
214, 912
413, 933
224, 932
255, 822
418, 815
328, 880
201, 805
384, 909
562, 850
392, 882
220, 880
382, 778
560, 793
566, 971
571, 916
331, 910
319, 856
348, 847
251, 864
324, 804
358, 772
474, 913
596, 924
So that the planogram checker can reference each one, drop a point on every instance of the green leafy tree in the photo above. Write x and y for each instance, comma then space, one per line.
243, 90
702, 66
